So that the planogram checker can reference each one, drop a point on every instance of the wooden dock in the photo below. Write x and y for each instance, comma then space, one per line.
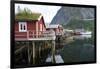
37, 48
58, 59
34, 51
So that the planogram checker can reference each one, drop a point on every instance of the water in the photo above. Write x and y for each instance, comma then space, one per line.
79, 48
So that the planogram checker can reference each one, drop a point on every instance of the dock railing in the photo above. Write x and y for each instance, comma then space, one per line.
34, 34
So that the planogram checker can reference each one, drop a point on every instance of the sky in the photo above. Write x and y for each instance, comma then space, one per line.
47, 11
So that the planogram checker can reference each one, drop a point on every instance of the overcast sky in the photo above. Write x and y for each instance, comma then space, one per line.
47, 11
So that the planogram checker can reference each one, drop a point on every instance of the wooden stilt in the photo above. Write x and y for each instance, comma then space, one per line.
33, 43
28, 52
40, 51
53, 51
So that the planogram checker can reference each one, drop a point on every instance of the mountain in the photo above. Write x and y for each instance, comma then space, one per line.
66, 14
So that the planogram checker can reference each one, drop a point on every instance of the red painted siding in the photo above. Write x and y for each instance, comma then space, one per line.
43, 25
31, 26
17, 31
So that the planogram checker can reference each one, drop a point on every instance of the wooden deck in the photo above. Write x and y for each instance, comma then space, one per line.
33, 36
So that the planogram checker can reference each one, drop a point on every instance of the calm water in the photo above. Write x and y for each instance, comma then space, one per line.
78, 49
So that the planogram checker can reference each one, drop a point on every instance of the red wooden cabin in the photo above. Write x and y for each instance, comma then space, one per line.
56, 27
29, 26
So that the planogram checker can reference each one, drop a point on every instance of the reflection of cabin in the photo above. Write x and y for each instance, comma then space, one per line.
56, 27
30, 27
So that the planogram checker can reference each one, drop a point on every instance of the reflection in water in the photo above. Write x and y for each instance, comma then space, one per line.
79, 50
82, 36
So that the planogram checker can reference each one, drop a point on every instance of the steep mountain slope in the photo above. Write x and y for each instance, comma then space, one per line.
66, 14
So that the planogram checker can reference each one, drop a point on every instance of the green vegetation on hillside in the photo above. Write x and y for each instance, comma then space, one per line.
75, 24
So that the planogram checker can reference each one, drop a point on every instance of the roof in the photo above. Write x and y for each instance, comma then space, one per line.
68, 30
53, 26
27, 16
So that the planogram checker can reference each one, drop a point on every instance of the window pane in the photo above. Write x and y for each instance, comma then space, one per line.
21, 26
24, 27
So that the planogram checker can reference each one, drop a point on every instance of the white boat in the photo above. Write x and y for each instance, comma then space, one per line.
82, 32
86, 33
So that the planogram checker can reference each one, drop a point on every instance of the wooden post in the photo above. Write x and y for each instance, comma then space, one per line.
27, 34
33, 35
28, 51
39, 51
29, 55
53, 52
33, 43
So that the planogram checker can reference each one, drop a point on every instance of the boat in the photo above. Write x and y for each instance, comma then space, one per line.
86, 33
83, 33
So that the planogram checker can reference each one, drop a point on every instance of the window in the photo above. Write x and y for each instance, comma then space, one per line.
22, 26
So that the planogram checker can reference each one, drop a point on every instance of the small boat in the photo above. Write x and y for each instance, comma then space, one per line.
83, 33
86, 33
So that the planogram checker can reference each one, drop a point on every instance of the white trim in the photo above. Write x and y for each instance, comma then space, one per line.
37, 28
39, 17
40, 26
52, 26
23, 24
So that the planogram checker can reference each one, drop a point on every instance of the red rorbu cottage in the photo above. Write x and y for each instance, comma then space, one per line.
29, 26
56, 27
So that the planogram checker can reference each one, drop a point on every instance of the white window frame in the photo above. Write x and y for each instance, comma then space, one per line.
23, 24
